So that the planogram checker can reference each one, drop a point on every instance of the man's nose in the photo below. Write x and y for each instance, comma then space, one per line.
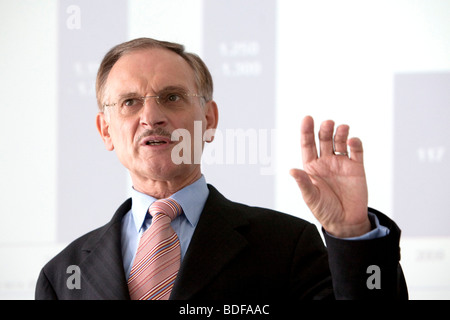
152, 114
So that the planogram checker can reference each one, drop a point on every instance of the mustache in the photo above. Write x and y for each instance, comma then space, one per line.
154, 132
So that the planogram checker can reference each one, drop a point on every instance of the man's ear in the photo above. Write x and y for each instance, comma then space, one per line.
212, 117
103, 129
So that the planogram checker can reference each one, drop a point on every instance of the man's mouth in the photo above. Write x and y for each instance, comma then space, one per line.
156, 137
155, 142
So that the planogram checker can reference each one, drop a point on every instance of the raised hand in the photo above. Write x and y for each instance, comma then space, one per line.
333, 184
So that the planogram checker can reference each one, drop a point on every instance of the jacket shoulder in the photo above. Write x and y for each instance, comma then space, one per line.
55, 272
255, 214
73, 252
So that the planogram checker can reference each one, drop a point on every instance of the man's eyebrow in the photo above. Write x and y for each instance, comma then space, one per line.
128, 95
173, 88
169, 88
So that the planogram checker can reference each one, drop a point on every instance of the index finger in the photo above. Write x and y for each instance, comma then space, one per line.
308, 142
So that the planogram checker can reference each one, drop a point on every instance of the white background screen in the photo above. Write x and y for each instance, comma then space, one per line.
383, 67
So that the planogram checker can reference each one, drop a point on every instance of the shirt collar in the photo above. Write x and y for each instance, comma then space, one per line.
191, 198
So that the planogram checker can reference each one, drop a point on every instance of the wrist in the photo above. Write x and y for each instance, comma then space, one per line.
349, 230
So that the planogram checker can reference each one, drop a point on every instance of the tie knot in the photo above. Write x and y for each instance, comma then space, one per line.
168, 206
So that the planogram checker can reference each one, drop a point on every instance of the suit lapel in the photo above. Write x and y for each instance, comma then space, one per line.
215, 242
102, 270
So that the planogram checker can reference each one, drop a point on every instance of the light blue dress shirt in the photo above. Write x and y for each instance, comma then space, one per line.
192, 199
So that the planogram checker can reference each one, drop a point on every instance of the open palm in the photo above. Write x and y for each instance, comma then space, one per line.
334, 185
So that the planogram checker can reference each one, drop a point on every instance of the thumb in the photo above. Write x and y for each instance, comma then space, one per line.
308, 189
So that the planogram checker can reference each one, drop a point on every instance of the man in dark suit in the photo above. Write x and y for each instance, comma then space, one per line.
146, 91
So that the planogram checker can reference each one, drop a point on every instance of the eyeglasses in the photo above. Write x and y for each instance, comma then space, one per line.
173, 99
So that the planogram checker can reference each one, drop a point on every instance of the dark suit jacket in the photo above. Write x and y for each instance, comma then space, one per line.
237, 252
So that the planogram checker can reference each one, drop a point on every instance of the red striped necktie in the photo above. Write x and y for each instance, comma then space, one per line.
157, 260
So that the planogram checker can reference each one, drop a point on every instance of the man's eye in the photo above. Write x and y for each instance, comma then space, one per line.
173, 97
131, 102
